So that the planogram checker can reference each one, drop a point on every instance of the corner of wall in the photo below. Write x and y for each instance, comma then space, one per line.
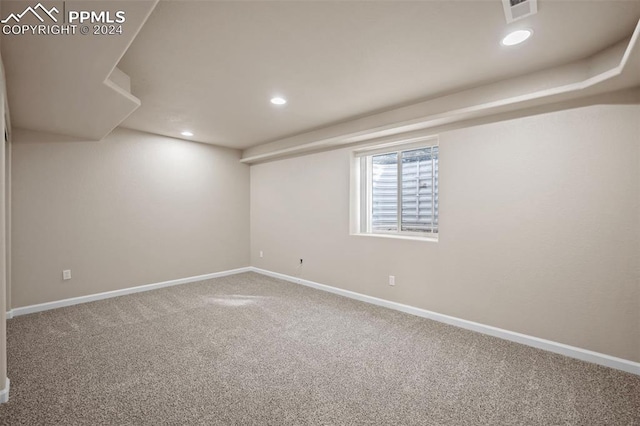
4, 393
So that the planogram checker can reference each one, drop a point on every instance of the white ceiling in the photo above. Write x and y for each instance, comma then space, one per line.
211, 67
61, 83
345, 67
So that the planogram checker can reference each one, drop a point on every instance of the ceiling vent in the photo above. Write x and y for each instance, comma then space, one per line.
518, 9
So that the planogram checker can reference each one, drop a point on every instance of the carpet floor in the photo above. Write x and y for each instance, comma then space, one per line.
253, 350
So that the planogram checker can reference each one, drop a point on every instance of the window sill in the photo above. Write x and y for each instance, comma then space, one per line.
397, 237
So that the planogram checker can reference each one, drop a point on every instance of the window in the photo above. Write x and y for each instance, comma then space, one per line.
397, 190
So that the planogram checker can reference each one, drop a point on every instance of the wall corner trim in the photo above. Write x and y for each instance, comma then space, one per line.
9, 314
4, 393
115, 293
547, 345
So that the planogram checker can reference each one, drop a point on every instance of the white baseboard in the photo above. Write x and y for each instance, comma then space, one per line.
109, 294
548, 345
4, 393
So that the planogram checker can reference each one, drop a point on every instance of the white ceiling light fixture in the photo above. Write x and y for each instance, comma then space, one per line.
516, 37
278, 100
186, 133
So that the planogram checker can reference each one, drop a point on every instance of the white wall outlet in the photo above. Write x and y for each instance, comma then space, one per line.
392, 280
66, 274
261, 253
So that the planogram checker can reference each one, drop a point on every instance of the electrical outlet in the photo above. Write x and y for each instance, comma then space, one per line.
392, 280
66, 274
261, 253
300, 262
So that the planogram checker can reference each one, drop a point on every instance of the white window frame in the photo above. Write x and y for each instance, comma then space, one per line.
361, 189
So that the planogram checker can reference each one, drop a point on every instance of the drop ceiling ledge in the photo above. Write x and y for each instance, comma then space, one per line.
612, 69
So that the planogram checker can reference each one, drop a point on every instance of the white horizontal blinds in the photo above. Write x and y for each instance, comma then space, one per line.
384, 192
408, 204
419, 211
435, 154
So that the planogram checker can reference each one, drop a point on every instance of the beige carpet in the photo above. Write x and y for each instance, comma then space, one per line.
249, 349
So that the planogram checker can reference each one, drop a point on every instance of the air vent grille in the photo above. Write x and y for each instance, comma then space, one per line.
518, 9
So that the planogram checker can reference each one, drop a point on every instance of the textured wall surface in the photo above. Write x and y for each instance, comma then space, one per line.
130, 210
539, 228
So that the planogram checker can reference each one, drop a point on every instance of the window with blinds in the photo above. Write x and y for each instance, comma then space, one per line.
399, 193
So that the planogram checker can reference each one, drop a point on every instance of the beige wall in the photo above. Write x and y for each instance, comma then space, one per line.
7, 227
540, 228
130, 210
3, 291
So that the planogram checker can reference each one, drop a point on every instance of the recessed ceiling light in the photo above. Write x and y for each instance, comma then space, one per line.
516, 37
186, 133
278, 101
